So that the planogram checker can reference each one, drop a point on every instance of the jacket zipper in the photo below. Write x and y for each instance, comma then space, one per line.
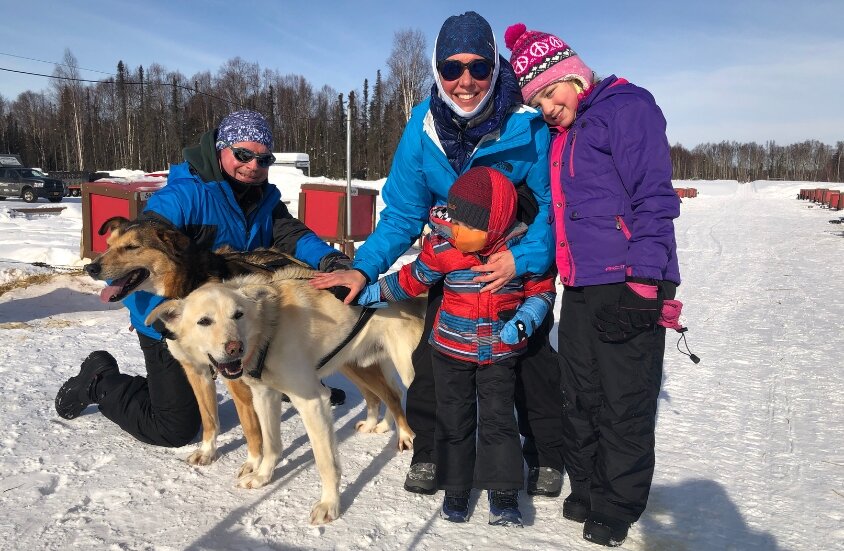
621, 226
559, 152
571, 153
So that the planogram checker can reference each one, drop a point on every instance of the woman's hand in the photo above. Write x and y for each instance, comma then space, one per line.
352, 279
500, 268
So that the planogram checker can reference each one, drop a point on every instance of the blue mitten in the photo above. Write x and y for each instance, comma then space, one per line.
528, 317
370, 297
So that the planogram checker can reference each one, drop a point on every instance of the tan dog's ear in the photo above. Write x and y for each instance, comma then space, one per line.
167, 312
258, 292
113, 223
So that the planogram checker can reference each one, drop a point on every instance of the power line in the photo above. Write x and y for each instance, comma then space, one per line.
124, 82
55, 63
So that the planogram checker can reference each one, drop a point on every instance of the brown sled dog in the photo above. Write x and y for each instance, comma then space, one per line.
151, 255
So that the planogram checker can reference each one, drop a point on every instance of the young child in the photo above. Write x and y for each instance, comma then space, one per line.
476, 338
614, 207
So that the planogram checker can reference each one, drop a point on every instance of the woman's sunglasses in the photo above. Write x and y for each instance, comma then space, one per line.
244, 155
451, 69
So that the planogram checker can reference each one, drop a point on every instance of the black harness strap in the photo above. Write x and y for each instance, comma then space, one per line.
259, 365
365, 314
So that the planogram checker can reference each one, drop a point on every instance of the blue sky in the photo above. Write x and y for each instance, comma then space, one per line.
745, 70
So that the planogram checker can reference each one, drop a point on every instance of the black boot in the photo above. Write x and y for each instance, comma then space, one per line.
421, 479
575, 508
338, 396
80, 391
605, 530
504, 508
544, 481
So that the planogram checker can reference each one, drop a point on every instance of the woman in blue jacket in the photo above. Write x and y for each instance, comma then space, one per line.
219, 196
474, 117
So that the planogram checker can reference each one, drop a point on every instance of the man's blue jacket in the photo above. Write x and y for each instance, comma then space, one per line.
199, 202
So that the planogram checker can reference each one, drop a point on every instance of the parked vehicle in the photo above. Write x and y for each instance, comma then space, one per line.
302, 161
29, 184
74, 179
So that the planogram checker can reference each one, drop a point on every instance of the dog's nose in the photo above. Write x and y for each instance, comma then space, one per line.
233, 348
93, 269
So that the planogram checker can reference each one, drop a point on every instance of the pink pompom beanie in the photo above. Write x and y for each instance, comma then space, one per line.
540, 59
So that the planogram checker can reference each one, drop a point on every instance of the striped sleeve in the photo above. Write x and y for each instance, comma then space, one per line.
542, 287
413, 279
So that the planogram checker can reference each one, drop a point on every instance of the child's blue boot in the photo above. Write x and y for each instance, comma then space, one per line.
455, 506
504, 508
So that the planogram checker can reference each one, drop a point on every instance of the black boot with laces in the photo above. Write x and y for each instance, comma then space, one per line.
455, 506
504, 508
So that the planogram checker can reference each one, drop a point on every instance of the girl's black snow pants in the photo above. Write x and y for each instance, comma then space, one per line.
611, 394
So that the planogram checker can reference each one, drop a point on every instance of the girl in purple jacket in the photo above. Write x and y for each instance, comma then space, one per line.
613, 206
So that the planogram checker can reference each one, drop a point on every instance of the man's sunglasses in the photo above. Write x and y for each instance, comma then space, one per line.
451, 69
244, 155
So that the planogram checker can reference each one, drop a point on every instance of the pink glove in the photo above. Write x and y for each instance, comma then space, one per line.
670, 315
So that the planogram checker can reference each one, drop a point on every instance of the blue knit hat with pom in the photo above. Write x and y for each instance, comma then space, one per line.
244, 126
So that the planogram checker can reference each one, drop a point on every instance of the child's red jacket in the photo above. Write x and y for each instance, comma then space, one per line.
469, 321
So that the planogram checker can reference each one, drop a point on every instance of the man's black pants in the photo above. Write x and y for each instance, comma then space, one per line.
159, 409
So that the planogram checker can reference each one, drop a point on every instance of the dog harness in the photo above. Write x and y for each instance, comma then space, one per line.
365, 314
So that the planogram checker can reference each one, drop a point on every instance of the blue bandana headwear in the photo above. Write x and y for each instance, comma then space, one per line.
465, 34
244, 126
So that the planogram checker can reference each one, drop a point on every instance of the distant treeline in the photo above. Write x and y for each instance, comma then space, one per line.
142, 118
806, 161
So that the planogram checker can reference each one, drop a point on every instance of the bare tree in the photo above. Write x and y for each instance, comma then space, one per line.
239, 82
410, 73
32, 111
69, 93
4, 125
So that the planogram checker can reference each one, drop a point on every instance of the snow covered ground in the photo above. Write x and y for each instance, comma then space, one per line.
749, 442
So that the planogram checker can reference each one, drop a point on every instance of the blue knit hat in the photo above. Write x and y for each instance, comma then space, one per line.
244, 126
465, 34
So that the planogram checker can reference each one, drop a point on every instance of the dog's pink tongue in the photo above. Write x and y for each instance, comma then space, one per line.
108, 294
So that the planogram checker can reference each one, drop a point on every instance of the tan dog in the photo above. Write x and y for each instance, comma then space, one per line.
234, 323
151, 255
